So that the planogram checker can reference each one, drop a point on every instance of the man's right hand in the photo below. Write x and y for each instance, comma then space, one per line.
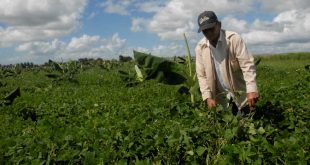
211, 103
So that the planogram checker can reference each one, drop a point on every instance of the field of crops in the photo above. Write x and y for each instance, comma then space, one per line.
99, 112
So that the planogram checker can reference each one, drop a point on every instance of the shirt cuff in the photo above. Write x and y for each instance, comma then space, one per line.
206, 95
251, 88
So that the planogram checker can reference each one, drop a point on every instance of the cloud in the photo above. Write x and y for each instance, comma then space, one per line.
150, 7
92, 15
162, 50
172, 21
126, 7
41, 48
179, 16
280, 48
276, 6
169, 50
232, 23
282, 25
83, 43
137, 24
83, 47
28, 20
287, 27
173, 18
113, 45
117, 7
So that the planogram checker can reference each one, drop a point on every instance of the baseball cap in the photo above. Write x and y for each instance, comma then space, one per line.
206, 20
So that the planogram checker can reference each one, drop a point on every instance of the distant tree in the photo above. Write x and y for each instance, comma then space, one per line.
124, 58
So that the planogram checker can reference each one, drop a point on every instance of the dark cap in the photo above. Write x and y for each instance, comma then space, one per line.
206, 20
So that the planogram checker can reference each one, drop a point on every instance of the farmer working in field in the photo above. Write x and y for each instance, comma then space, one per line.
225, 69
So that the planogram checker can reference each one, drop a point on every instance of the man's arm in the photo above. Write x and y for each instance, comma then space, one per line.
202, 80
246, 62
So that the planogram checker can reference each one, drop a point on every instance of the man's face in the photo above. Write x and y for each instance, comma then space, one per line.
213, 33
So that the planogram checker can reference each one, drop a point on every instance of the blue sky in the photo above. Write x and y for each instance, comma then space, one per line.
69, 30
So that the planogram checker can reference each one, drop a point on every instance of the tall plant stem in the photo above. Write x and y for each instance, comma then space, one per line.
189, 58
189, 64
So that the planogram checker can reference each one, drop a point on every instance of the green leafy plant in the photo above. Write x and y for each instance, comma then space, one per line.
192, 82
9, 98
108, 123
169, 72
65, 71
163, 70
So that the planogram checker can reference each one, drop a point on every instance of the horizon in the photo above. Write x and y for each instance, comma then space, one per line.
167, 57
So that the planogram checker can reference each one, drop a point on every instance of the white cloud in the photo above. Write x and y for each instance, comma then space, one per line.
84, 46
92, 15
260, 25
32, 13
137, 24
126, 7
164, 50
175, 17
83, 43
12, 35
113, 45
288, 27
231, 23
179, 16
173, 49
150, 7
28, 20
172, 21
41, 48
276, 6
280, 48
117, 7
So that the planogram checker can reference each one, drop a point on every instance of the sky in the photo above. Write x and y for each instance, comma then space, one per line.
62, 30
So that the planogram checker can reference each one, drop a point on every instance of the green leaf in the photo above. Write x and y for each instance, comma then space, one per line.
190, 152
56, 66
11, 96
254, 140
200, 150
67, 154
161, 69
230, 133
228, 117
139, 73
261, 130
252, 129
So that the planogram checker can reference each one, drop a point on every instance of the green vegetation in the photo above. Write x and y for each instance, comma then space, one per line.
93, 112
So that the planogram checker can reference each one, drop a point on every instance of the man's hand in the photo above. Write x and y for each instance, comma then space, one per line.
211, 103
252, 98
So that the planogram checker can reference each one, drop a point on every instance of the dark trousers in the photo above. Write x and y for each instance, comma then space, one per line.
243, 111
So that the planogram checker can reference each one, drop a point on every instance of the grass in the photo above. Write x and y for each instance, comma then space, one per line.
286, 61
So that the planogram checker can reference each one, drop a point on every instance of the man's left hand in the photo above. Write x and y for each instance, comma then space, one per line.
252, 98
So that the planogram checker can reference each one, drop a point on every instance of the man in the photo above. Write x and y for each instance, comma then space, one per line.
225, 69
